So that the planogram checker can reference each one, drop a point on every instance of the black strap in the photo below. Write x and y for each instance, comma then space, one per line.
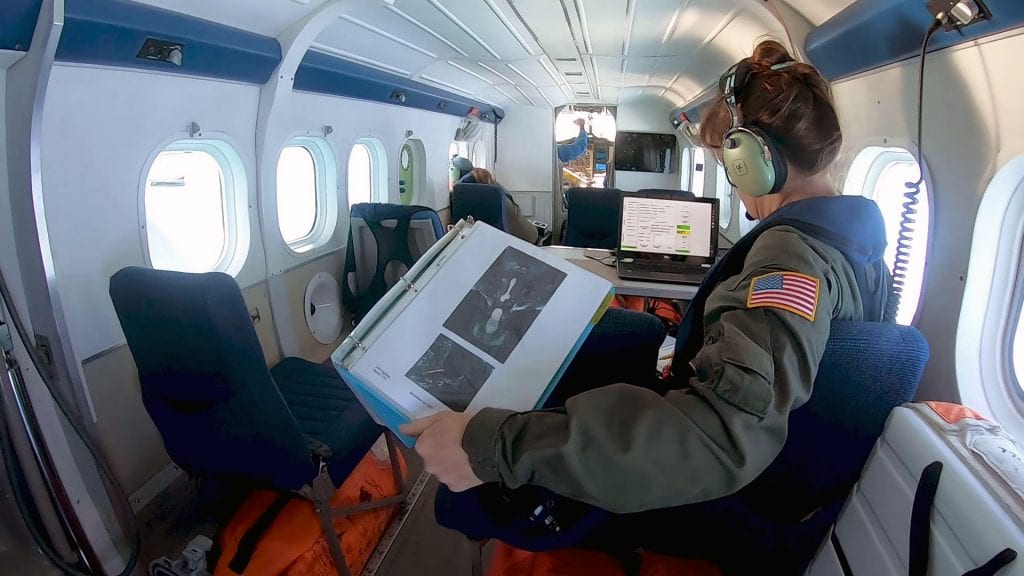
247, 545
844, 564
921, 518
920, 529
995, 564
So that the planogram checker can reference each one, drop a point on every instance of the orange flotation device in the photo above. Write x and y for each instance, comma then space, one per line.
294, 545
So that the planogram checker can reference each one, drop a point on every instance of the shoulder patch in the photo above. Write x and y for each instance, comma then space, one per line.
790, 291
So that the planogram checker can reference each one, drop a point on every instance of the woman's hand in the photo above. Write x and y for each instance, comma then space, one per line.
439, 443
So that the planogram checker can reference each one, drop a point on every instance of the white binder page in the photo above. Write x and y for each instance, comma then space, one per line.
490, 329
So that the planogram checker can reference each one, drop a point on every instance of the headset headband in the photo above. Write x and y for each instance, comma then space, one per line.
735, 79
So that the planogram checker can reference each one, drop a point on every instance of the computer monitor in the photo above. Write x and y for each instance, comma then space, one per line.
661, 225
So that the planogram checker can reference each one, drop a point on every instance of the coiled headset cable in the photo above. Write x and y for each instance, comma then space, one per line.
908, 218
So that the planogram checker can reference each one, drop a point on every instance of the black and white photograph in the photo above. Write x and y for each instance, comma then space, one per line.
450, 373
504, 302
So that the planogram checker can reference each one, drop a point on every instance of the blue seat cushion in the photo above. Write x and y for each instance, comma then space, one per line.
327, 411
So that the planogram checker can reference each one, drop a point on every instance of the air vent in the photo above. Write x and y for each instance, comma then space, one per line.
574, 73
565, 59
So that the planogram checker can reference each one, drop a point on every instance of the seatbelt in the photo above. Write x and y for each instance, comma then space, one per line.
921, 523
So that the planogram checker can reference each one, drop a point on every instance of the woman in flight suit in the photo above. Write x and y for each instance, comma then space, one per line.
749, 352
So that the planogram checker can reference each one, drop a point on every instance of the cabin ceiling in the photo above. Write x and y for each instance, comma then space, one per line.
534, 52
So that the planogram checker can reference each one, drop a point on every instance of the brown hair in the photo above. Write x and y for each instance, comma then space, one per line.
792, 105
483, 176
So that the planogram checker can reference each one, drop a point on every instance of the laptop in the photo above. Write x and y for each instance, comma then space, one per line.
667, 238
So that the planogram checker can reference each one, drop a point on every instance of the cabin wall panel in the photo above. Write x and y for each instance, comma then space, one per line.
526, 149
972, 123
100, 127
125, 431
288, 292
257, 300
647, 115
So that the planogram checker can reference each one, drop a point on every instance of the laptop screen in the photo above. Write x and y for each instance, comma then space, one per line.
675, 227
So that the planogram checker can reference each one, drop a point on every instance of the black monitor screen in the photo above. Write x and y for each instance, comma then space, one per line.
644, 152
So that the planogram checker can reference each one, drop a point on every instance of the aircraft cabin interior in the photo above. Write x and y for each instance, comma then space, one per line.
511, 287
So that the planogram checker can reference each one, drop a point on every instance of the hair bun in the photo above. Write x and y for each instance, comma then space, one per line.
769, 53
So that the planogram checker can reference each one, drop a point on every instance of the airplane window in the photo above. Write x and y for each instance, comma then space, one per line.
305, 169
697, 174
296, 193
367, 172
881, 174
189, 201
723, 191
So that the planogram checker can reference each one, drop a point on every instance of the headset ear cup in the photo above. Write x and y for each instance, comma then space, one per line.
779, 165
746, 166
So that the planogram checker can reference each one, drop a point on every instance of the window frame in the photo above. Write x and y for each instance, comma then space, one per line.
380, 190
867, 168
703, 171
234, 197
325, 167
686, 174
992, 298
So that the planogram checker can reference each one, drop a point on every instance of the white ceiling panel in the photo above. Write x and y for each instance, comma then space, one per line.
394, 52
547, 21
653, 19
407, 28
606, 21
528, 72
438, 18
483, 22
454, 77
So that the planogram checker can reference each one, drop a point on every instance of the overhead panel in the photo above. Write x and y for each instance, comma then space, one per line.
268, 18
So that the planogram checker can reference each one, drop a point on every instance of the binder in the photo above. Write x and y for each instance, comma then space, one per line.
481, 319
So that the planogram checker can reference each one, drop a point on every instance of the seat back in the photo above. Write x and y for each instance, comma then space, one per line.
484, 202
384, 241
204, 379
593, 217
868, 369
679, 193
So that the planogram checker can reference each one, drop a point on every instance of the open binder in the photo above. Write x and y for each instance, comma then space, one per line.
483, 319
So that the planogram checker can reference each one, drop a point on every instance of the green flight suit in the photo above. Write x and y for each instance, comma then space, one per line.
627, 449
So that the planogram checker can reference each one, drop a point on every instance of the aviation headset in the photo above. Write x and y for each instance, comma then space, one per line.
754, 163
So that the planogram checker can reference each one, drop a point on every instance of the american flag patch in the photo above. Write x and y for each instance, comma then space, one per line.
796, 293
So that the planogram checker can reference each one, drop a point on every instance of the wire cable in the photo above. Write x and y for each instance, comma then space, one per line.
908, 218
101, 464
